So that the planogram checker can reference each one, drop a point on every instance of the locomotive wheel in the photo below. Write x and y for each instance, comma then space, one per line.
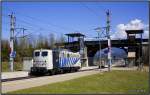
30, 74
61, 71
72, 70
76, 70
52, 72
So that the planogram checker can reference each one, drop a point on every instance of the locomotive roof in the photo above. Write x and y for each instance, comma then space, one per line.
42, 50
61, 50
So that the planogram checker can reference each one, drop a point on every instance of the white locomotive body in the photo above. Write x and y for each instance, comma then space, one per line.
55, 61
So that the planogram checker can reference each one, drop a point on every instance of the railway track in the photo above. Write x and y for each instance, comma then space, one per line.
30, 77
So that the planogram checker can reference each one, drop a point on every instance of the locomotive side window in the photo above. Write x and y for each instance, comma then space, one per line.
45, 53
37, 54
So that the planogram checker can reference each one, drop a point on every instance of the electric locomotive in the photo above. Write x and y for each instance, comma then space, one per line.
47, 61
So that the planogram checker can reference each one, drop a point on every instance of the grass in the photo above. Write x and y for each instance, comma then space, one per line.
130, 82
5, 66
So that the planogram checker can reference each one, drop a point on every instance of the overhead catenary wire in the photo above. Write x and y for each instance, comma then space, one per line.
47, 23
64, 28
89, 9
44, 22
50, 24
94, 12
31, 26
7, 23
102, 8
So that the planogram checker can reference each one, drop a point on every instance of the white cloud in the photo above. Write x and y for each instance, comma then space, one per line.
146, 31
120, 33
135, 24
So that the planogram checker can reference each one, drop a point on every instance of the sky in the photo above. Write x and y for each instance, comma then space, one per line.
60, 18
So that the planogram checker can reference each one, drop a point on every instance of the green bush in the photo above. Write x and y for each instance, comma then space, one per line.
17, 66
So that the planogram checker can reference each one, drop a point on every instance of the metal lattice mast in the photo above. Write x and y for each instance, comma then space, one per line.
109, 39
12, 30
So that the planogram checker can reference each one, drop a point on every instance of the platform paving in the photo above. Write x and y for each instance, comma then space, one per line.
16, 74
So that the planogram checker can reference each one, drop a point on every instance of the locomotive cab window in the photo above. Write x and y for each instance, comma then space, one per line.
45, 53
37, 54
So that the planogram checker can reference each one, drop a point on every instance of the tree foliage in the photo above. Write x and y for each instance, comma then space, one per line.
5, 50
24, 47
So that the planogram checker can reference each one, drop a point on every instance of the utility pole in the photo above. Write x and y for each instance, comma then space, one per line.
99, 59
109, 39
24, 43
23, 29
12, 30
99, 51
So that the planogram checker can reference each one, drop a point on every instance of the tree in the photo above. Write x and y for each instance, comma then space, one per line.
46, 43
40, 41
61, 39
5, 50
52, 41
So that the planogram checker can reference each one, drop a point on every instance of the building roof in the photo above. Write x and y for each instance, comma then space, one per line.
75, 35
134, 31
